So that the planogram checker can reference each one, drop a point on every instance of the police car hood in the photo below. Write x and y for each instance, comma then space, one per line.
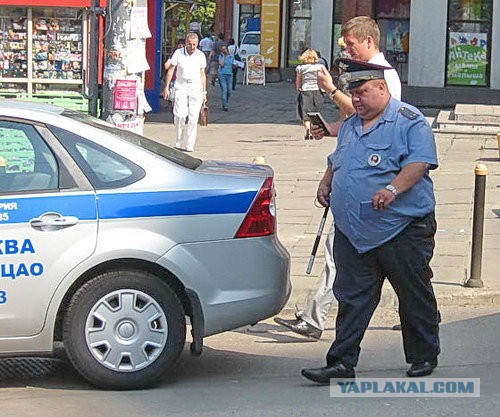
235, 168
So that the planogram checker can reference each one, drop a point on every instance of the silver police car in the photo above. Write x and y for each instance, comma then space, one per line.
111, 243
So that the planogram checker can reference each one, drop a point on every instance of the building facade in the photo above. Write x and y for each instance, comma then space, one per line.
441, 48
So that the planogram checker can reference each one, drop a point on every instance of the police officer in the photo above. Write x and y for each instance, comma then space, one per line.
378, 186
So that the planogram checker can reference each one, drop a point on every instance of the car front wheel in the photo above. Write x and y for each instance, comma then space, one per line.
124, 330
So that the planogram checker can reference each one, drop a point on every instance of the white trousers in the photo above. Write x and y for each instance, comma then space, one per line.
317, 308
187, 104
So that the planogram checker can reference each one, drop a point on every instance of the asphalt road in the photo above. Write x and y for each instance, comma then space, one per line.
256, 372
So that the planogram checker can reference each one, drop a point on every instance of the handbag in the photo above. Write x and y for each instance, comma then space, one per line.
203, 119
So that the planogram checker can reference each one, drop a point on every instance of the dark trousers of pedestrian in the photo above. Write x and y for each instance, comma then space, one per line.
404, 261
225, 87
235, 74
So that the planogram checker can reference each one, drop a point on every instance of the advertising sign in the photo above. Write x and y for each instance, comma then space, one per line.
270, 32
255, 70
125, 95
467, 59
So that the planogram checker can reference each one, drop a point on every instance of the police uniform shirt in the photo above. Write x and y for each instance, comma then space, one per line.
188, 66
365, 162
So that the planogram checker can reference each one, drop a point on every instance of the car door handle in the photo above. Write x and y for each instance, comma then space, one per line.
53, 221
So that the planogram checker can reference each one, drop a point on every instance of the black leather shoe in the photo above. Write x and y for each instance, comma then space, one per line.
323, 375
422, 368
301, 327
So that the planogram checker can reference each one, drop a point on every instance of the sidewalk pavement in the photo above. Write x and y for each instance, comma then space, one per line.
262, 122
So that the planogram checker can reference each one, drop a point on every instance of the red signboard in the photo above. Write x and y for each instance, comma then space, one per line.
52, 3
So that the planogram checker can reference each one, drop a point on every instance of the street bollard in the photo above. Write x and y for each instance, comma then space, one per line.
474, 280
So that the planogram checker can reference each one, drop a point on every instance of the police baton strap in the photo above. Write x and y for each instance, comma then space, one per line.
316, 242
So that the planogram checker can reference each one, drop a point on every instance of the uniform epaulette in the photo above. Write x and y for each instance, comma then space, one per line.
409, 114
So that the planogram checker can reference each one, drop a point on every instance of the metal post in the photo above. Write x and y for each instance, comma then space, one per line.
474, 280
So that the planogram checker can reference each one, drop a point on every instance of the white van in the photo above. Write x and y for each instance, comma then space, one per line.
250, 44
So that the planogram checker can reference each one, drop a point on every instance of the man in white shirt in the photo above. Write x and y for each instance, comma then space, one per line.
361, 36
190, 91
206, 46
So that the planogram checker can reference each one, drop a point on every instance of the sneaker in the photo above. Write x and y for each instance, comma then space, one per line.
301, 327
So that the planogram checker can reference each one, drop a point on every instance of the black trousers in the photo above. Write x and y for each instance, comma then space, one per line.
404, 261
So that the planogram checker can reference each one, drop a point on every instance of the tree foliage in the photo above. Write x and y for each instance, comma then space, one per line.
202, 11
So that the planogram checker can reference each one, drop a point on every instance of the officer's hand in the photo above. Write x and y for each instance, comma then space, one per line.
323, 194
382, 199
318, 133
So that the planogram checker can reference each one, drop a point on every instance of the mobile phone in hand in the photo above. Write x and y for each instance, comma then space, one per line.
318, 120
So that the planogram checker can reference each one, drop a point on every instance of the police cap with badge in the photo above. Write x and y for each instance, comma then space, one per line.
359, 72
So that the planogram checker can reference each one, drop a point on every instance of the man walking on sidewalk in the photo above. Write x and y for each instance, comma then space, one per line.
378, 187
190, 91
361, 35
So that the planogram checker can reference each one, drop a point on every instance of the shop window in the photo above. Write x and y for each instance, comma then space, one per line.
393, 18
41, 52
249, 19
469, 42
299, 30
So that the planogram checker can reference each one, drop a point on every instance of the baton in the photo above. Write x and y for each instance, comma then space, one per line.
316, 242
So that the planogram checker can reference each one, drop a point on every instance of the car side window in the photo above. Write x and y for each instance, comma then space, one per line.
26, 161
104, 168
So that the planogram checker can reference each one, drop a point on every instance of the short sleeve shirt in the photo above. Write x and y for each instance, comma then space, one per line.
309, 74
188, 66
365, 162
391, 76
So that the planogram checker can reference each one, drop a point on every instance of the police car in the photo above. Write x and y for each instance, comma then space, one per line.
111, 243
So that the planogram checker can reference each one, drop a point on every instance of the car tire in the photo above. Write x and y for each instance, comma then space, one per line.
124, 330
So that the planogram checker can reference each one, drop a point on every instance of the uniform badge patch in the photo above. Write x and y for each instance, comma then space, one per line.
374, 159
409, 114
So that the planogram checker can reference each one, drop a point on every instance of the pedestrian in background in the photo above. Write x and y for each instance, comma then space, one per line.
206, 46
378, 187
225, 73
310, 98
190, 91
322, 60
233, 51
214, 57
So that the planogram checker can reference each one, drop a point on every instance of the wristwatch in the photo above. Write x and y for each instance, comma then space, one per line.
392, 189
332, 94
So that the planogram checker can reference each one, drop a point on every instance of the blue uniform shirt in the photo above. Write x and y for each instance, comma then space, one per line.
365, 162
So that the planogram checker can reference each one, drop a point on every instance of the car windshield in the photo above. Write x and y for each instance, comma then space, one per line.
157, 148
251, 39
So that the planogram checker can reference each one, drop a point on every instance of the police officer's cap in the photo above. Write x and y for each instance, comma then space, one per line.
359, 72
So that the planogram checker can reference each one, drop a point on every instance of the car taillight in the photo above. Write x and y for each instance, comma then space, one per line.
261, 218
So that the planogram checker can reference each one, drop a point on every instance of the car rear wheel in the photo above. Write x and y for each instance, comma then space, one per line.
124, 330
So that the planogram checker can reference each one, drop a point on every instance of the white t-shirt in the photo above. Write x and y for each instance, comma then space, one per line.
188, 66
391, 76
309, 74
206, 44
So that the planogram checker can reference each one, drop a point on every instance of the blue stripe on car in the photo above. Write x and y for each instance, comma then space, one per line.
129, 205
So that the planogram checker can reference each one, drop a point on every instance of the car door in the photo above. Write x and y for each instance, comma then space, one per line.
48, 223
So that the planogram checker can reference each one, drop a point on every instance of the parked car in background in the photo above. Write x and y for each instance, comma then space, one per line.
250, 44
110, 241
